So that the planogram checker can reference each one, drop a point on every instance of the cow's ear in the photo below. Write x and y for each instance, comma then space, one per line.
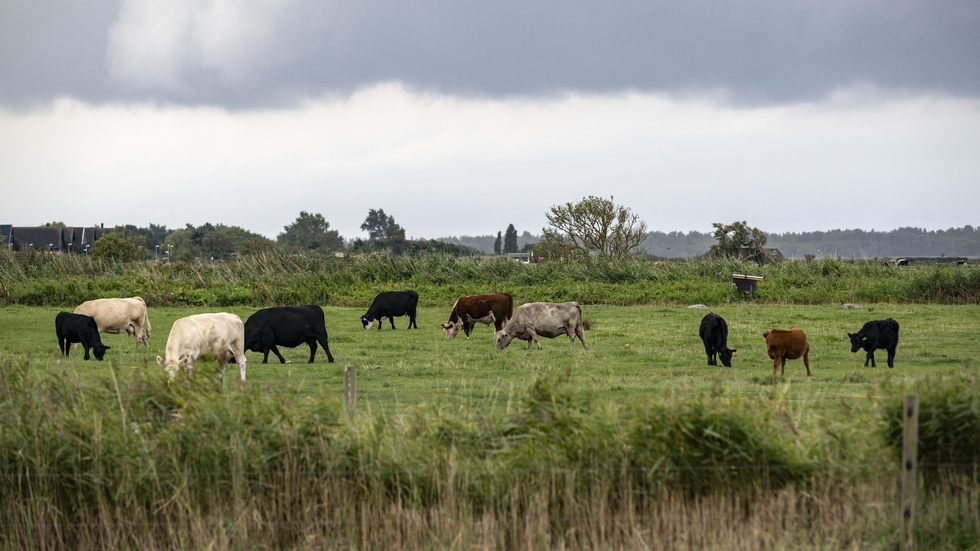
106, 347
734, 350
161, 362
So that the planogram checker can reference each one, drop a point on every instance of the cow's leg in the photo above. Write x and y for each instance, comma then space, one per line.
580, 333
87, 347
275, 350
534, 336
870, 358
806, 362
775, 364
411, 321
265, 356
711, 357
312, 342
326, 347
240, 359
392, 320
891, 357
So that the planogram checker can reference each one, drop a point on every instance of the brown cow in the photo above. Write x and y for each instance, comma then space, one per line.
787, 344
495, 308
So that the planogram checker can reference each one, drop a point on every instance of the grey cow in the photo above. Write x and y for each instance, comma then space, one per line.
546, 319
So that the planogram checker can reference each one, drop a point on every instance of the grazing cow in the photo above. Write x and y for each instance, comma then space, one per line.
286, 326
79, 328
714, 334
496, 308
874, 335
115, 315
546, 319
390, 304
787, 344
205, 336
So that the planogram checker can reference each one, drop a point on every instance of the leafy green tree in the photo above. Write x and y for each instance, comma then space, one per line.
310, 231
510, 239
257, 246
496, 244
376, 224
593, 226
395, 238
113, 246
733, 238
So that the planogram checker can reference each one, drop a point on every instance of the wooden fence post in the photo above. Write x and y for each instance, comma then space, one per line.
910, 470
350, 390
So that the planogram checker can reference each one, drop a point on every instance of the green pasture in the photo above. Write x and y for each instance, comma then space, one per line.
636, 355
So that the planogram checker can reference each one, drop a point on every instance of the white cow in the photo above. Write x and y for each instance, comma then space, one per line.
115, 315
205, 336
547, 319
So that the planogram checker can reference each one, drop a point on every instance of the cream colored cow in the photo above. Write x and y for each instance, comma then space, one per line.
203, 337
115, 315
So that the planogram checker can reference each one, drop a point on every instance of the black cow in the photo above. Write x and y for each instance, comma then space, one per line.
390, 304
714, 334
73, 328
288, 326
874, 335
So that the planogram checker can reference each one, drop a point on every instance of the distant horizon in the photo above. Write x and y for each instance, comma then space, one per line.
520, 231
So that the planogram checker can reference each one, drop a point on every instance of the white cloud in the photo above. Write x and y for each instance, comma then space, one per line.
447, 166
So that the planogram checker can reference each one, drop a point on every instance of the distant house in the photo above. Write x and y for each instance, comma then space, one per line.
50, 238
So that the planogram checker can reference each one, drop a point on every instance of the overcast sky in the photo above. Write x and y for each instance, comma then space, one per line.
461, 117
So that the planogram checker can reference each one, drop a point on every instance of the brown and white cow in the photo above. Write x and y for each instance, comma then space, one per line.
203, 337
787, 344
115, 315
546, 319
495, 308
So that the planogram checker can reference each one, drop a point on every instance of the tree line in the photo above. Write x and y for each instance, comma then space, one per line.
593, 226
855, 243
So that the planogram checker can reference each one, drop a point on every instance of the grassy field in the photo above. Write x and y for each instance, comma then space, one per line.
457, 445
636, 354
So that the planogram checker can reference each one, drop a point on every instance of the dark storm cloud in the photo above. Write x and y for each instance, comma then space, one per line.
757, 51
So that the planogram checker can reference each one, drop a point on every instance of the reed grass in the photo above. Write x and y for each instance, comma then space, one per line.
39, 278
138, 463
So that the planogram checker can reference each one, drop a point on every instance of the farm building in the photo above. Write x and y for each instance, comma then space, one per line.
50, 238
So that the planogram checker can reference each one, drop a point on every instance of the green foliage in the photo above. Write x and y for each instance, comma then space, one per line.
441, 274
310, 232
510, 239
737, 237
377, 224
113, 246
593, 226
949, 428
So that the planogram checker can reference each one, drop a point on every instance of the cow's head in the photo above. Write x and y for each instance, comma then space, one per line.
857, 341
170, 367
725, 354
99, 351
503, 339
366, 322
450, 329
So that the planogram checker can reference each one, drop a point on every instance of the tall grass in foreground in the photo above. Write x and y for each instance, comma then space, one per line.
154, 466
40, 278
